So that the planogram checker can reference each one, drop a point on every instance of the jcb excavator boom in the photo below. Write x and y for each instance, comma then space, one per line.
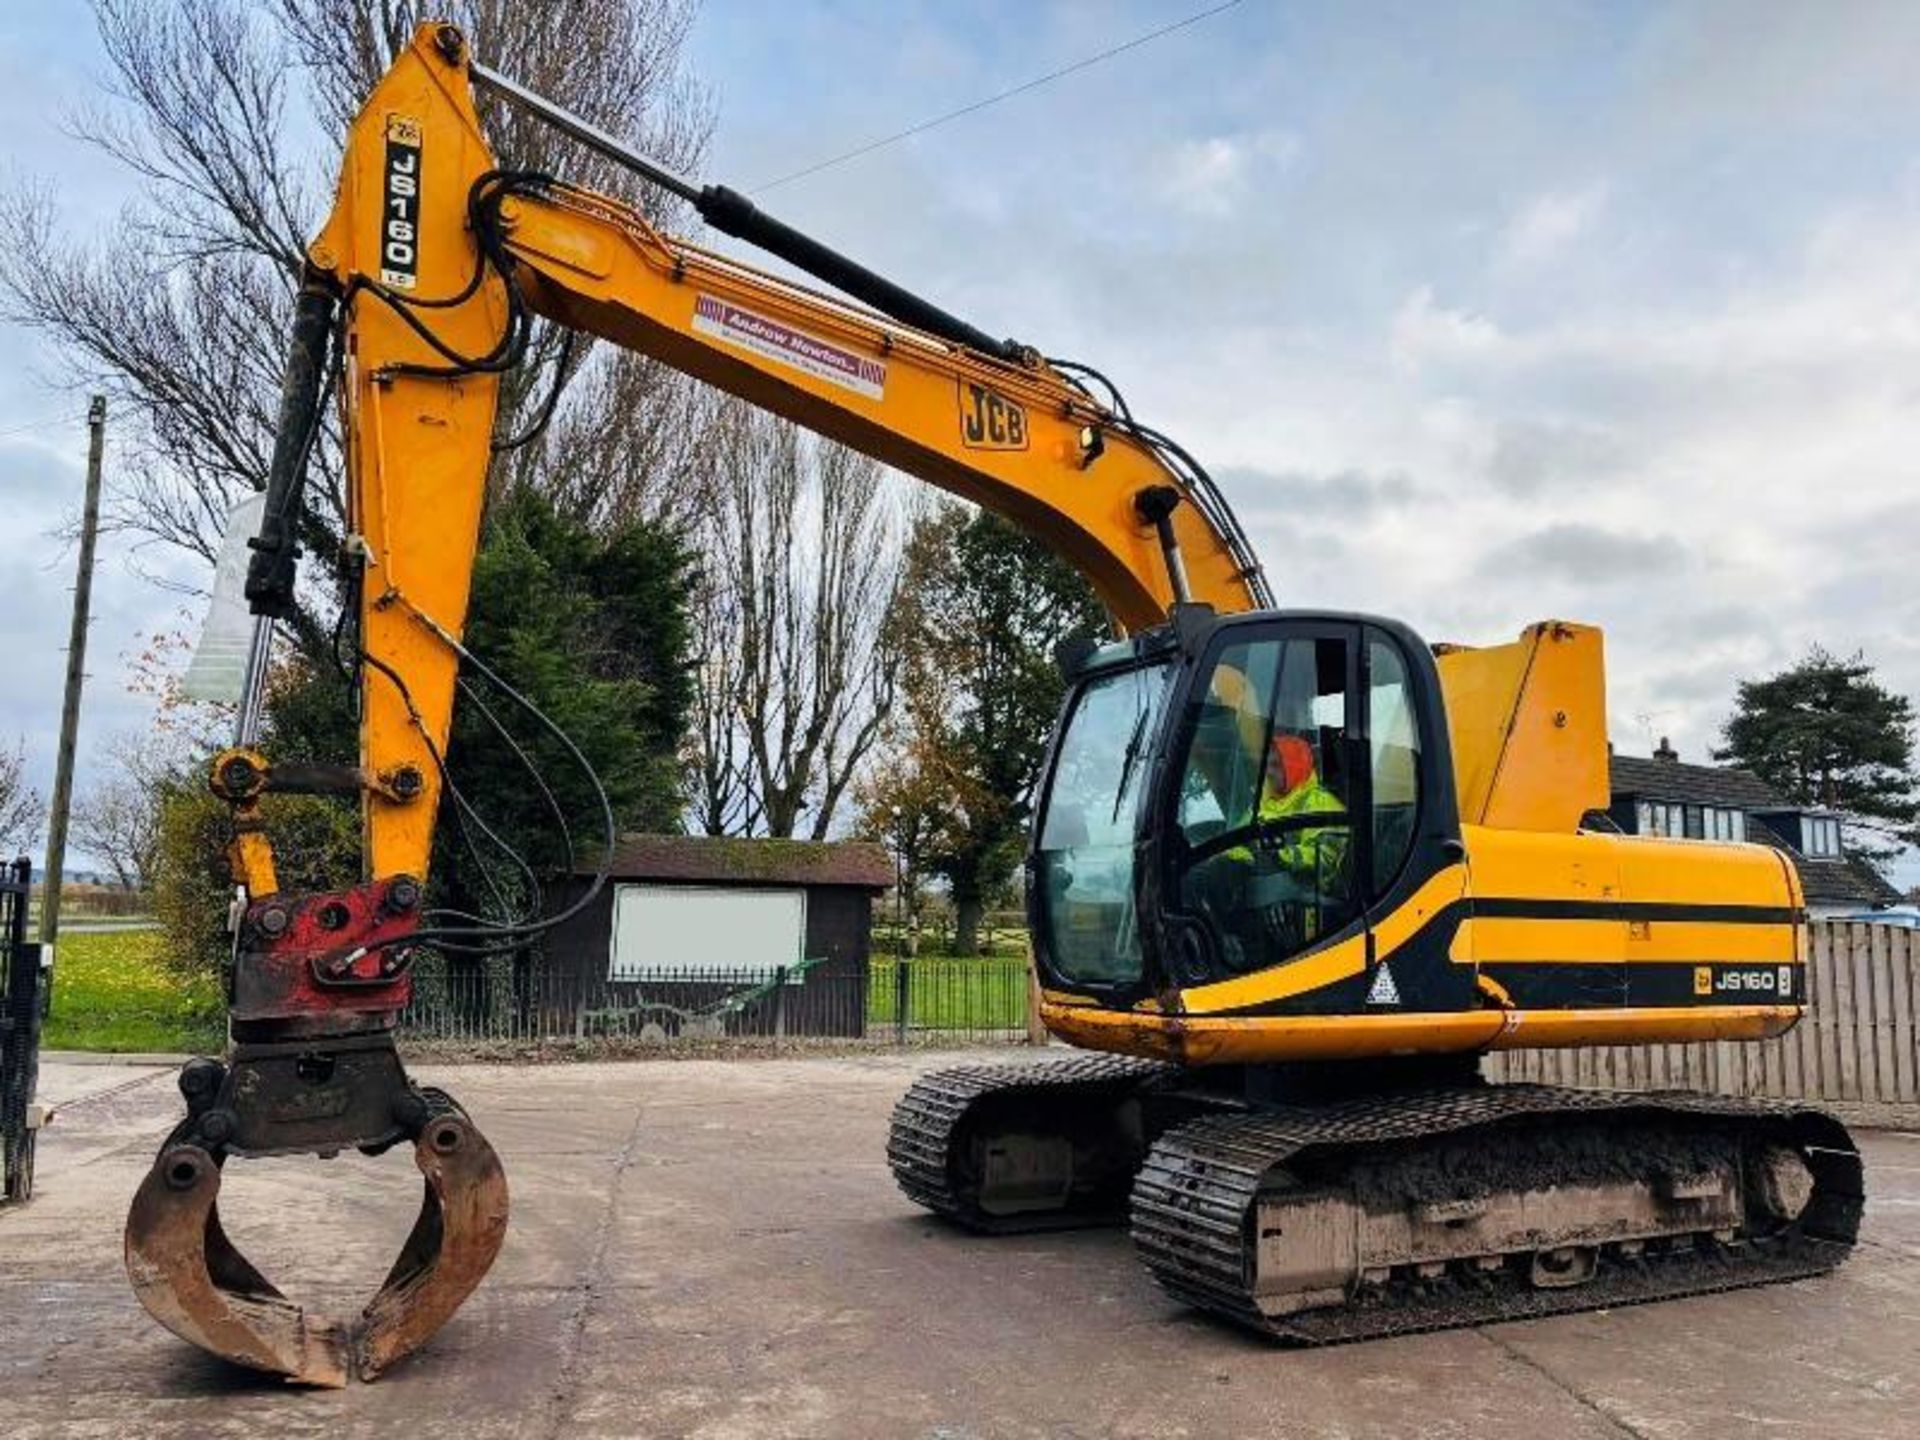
418, 295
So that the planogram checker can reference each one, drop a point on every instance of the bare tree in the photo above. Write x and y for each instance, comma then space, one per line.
22, 811
116, 821
181, 313
721, 796
797, 676
117, 818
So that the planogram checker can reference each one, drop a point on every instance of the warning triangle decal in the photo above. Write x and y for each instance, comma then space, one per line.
1384, 991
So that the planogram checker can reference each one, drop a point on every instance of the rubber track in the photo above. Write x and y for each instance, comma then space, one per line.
930, 1118
1192, 1198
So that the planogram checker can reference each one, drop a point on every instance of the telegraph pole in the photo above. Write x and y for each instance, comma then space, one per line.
76, 677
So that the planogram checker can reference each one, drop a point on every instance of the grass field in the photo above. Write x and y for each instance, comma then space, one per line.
110, 992
948, 993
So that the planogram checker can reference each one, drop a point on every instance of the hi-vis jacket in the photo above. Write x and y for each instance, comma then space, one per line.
1314, 851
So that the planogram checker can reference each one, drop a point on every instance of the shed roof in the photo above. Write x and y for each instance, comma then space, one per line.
723, 860
1675, 780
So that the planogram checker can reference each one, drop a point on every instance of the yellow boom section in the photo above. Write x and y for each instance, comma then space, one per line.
1002, 436
417, 445
1016, 438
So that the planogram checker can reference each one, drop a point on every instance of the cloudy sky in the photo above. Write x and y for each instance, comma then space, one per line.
1481, 313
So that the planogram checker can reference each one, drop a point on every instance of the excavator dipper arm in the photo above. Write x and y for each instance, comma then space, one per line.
419, 294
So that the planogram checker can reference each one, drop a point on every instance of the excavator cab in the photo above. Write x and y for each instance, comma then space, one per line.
1227, 795
1252, 859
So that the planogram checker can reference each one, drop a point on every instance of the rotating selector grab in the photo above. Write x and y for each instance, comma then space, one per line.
193, 1280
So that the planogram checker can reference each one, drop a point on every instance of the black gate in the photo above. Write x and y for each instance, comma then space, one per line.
20, 1010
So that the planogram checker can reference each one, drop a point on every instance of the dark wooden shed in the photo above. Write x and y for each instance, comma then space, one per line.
692, 920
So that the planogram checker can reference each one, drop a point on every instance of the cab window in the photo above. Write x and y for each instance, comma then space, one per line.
1393, 756
1264, 858
1085, 855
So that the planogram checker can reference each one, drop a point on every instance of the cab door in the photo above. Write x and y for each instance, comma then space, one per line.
1415, 881
1267, 845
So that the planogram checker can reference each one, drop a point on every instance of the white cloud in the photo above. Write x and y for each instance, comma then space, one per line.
1549, 223
1719, 479
1424, 332
1217, 175
1750, 447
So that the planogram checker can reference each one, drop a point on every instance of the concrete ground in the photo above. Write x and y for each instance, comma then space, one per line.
716, 1249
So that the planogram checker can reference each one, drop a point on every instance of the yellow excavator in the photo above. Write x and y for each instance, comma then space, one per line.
1293, 873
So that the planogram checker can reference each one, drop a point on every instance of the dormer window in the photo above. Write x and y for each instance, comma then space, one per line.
1819, 836
1690, 822
1657, 817
1723, 824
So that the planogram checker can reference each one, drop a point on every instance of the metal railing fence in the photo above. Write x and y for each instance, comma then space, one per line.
890, 1002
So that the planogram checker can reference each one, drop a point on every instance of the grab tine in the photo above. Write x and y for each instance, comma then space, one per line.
463, 1220
191, 1279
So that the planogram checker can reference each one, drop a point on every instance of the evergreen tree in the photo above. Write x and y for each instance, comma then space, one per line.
592, 626
1826, 732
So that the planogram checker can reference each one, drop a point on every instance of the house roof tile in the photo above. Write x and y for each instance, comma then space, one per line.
1674, 780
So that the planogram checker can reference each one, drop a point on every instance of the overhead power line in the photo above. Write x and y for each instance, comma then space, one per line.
1021, 89
49, 423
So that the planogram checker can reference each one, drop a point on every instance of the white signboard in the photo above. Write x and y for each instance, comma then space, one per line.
694, 931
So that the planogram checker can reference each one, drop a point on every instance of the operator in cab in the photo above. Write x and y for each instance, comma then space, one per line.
1294, 788
1263, 879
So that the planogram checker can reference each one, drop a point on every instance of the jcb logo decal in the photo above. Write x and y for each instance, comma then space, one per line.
1703, 980
990, 421
400, 208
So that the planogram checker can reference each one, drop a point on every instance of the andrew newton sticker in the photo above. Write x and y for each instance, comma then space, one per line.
400, 210
789, 346
989, 421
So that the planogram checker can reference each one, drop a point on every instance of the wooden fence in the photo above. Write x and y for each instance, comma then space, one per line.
1860, 1043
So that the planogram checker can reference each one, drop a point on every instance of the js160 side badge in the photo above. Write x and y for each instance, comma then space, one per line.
1771, 982
400, 208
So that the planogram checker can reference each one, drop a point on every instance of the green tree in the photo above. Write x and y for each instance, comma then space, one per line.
592, 626
982, 608
316, 845
906, 802
1826, 732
